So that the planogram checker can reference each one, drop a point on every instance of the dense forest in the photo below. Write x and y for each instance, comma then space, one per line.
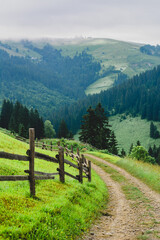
137, 96
49, 80
19, 119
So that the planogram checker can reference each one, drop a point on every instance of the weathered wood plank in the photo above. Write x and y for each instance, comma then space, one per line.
23, 178
68, 174
44, 177
85, 176
85, 169
41, 173
44, 157
14, 178
11, 156
71, 164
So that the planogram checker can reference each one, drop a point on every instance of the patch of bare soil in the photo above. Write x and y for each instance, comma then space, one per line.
126, 219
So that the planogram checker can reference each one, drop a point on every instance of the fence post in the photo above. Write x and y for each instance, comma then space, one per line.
31, 161
61, 164
89, 171
71, 148
78, 151
80, 170
83, 158
51, 145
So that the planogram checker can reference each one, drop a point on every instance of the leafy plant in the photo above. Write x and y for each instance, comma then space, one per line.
140, 153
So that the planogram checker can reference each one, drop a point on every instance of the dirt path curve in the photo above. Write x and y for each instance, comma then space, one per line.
123, 220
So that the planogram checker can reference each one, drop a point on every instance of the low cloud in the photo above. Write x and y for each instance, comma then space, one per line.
135, 20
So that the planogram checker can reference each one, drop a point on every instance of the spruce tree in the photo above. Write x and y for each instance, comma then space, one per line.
113, 144
152, 130
7, 108
131, 148
95, 128
123, 153
138, 143
63, 130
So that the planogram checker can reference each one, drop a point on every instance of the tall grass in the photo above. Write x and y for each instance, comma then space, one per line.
148, 173
59, 211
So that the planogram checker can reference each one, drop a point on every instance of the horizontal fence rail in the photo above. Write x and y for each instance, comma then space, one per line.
80, 163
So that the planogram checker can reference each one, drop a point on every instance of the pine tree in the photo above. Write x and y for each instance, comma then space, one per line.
113, 144
150, 151
154, 133
95, 128
18, 118
138, 143
22, 130
152, 129
123, 153
7, 108
63, 130
88, 127
131, 148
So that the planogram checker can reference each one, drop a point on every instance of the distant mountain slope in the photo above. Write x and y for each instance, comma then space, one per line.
47, 74
125, 57
129, 130
48, 81
137, 96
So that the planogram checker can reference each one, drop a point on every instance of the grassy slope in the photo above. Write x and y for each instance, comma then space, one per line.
130, 130
125, 56
59, 211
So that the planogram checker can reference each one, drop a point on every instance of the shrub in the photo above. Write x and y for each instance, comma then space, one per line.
140, 153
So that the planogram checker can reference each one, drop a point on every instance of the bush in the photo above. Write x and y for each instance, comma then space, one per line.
140, 153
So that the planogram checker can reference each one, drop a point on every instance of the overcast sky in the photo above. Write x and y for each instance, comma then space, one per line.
128, 20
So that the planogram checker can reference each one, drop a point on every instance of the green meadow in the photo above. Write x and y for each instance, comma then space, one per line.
59, 211
129, 130
124, 56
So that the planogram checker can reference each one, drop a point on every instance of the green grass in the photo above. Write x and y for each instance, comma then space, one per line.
148, 173
128, 130
101, 84
59, 211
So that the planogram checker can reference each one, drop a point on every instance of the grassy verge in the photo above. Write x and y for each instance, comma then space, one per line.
137, 200
148, 173
59, 211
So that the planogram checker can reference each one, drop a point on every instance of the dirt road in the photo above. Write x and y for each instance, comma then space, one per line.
133, 211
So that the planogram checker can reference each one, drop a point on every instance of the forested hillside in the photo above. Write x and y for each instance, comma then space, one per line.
18, 119
54, 75
48, 81
137, 96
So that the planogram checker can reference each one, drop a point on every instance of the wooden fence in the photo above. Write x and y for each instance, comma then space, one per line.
82, 165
